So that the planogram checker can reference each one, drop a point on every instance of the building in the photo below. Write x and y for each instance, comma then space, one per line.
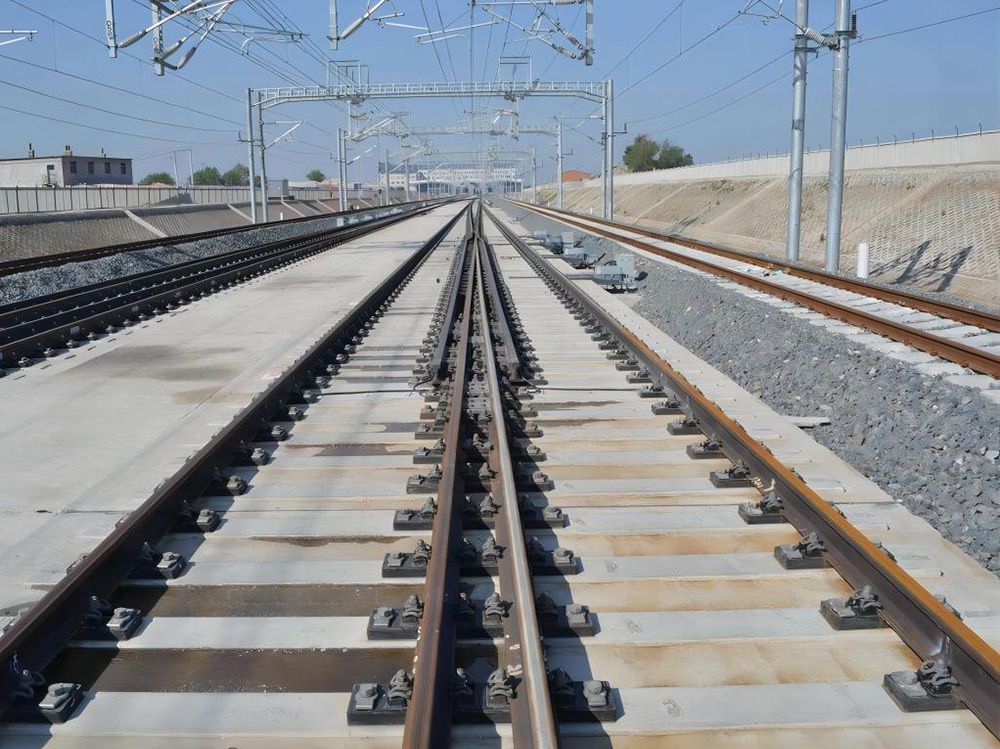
575, 175
64, 170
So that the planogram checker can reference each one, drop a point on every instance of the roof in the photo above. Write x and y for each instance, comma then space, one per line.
575, 175
65, 156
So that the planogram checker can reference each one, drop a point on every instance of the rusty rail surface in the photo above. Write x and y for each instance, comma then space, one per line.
953, 350
428, 714
925, 624
532, 716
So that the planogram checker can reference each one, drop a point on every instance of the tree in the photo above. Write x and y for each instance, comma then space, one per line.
316, 176
645, 154
157, 178
237, 176
207, 176
671, 156
641, 155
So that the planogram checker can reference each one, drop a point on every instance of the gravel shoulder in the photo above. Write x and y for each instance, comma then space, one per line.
932, 445
34, 283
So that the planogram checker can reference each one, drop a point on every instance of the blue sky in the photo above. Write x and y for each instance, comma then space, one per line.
937, 78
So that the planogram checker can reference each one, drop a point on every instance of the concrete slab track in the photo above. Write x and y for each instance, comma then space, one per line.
88, 435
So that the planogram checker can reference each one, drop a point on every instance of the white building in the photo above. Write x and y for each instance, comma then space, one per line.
64, 170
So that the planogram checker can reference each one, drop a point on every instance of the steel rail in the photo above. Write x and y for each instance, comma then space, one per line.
35, 638
438, 360
532, 716
508, 354
20, 265
428, 713
957, 312
925, 624
25, 331
976, 359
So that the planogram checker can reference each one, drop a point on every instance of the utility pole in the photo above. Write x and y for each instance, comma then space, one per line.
845, 29
157, 15
387, 201
177, 179
608, 178
559, 166
263, 162
534, 177
252, 159
342, 167
110, 34
798, 130
406, 197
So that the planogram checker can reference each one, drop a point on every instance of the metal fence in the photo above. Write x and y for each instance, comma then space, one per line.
88, 197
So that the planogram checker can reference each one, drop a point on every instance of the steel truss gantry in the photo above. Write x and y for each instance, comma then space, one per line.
356, 92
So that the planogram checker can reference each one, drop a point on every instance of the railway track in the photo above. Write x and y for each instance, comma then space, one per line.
41, 327
959, 334
20, 265
373, 554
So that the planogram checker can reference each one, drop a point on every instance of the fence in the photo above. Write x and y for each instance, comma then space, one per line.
88, 197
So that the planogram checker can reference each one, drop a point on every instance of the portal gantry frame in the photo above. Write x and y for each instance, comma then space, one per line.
357, 92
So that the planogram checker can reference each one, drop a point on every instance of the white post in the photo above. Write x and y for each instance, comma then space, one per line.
864, 256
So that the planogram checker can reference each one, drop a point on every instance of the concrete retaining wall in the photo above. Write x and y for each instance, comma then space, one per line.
945, 151
85, 198
936, 228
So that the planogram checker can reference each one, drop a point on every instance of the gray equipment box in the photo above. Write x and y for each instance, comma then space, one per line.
618, 274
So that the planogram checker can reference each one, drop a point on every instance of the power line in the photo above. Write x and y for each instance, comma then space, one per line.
941, 22
103, 129
119, 89
782, 77
447, 47
742, 78
717, 91
112, 112
785, 76
124, 52
680, 54
645, 38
